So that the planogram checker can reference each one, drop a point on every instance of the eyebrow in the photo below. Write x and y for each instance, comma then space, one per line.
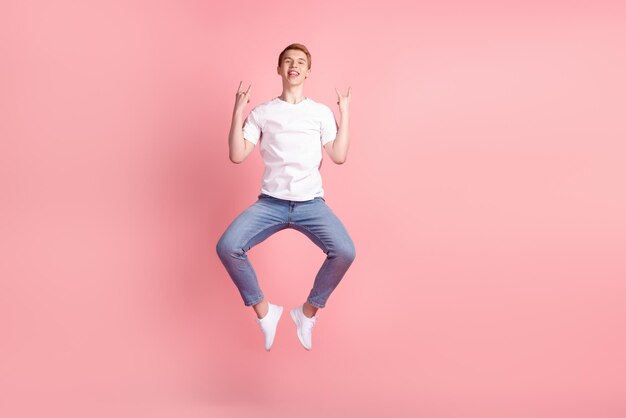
301, 59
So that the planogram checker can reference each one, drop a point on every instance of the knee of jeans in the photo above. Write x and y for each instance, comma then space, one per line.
226, 247
220, 248
346, 251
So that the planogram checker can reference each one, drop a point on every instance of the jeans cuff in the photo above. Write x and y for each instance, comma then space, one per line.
255, 301
316, 304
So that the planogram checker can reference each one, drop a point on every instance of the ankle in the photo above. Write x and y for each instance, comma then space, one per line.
309, 310
261, 309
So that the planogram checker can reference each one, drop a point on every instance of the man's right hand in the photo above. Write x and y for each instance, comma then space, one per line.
242, 98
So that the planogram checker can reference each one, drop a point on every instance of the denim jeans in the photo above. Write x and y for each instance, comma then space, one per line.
269, 215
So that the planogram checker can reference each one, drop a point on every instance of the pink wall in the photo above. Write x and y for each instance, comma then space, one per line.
484, 191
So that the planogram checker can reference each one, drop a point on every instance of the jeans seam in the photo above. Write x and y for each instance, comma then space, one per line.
258, 233
314, 234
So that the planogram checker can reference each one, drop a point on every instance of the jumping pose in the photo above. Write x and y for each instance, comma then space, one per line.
291, 130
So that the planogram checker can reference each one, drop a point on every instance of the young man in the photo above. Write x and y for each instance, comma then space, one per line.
291, 130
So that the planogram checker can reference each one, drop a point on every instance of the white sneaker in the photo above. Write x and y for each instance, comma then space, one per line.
268, 324
304, 326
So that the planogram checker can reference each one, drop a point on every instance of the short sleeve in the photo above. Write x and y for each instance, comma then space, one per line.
252, 127
329, 126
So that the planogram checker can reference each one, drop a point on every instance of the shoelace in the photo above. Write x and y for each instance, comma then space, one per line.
310, 324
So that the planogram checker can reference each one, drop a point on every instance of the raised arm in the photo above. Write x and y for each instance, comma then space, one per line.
238, 147
338, 149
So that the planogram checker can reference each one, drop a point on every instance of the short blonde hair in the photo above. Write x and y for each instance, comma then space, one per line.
299, 47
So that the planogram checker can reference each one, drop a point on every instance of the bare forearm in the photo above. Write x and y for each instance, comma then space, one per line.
339, 147
236, 143
342, 140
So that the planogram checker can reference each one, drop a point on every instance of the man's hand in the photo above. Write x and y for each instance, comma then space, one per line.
344, 101
242, 98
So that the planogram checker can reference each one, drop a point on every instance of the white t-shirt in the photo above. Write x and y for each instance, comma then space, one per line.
291, 138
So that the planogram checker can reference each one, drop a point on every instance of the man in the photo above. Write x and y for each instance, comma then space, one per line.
291, 129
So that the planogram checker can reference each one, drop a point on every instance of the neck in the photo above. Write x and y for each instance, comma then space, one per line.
293, 94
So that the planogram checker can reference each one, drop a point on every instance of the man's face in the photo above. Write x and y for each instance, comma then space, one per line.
294, 68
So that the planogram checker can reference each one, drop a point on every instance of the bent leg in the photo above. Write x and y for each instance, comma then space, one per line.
251, 227
318, 222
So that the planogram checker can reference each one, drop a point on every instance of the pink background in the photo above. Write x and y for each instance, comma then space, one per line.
484, 189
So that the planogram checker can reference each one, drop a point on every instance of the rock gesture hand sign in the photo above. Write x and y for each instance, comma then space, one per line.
242, 98
344, 101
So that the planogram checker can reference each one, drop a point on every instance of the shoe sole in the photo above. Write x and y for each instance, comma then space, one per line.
298, 326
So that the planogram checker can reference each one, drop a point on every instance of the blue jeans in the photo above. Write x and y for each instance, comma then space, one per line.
269, 215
